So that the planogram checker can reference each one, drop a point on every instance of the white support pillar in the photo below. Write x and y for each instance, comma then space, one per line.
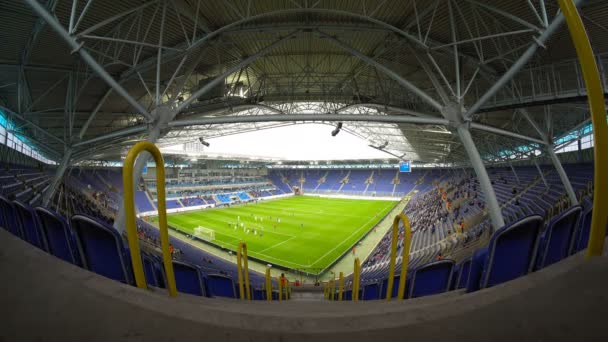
65, 162
482, 175
540, 172
514, 173
562, 175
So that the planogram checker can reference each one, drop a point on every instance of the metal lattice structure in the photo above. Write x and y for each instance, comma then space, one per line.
439, 80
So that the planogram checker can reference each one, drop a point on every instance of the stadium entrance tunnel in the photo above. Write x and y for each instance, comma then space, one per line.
44, 298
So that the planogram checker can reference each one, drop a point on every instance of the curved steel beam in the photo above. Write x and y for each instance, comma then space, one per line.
207, 87
405, 83
99, 70
396, 119
499, 131
518, 65
387, 108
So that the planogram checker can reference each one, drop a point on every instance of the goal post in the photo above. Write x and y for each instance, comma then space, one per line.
204, 233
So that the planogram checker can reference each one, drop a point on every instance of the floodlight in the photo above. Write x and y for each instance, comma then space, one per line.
205, 143
337, 130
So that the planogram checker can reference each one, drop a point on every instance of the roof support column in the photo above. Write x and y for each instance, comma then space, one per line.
540, 172
65, 162
454, 112
514, 173
562, 175
482, 175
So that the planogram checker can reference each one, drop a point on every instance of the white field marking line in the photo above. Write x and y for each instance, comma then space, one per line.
286, 211
266, 256
353, 233
276, 245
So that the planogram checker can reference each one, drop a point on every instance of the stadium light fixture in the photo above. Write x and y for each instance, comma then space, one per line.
337, 130
383, 146
205, 143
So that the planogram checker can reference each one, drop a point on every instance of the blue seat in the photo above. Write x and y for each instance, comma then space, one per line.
384, 286
454, 280
371, 292
221, 286
101, 249
188, 278
464, 271
28, 222
258, 294
581, 238
510, 254
430, 279
556, 241
57, 233
151, 265
8, 217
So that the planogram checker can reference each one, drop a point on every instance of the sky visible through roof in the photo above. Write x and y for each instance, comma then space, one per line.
296, 142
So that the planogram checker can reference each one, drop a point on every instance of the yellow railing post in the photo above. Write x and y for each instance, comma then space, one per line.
268, 285
597, 107
356, 279
239, 271
406, 251
341, 286
131, 226
243, 269
405, 256
332, 288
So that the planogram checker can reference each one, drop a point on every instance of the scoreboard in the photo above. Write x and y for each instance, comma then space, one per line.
405, 166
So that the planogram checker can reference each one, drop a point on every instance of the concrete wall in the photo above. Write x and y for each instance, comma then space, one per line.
45, 299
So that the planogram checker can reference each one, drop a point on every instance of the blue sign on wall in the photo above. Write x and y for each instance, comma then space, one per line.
145, 170
405, 166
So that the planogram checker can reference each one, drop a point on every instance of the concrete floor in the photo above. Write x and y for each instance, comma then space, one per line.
45, 299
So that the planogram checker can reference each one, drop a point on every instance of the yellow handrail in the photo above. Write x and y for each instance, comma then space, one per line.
405, 257
131, 227
356, 279
341, 286
597, 107
280, 286
268, 285
332, 294
243, 267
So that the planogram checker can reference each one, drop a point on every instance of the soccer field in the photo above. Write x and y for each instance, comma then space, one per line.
311, 234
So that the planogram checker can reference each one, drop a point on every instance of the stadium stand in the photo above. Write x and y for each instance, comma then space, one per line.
448, 157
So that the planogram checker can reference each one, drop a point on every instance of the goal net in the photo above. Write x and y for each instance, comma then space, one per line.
204, 233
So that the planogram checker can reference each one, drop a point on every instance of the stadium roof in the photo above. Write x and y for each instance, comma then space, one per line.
201, 62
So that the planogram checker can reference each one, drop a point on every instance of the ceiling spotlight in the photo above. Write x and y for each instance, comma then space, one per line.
337, 130
205, 143
383, 146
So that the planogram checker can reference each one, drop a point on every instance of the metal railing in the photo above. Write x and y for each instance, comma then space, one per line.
243, 271
405, 256
131, 226
597, 106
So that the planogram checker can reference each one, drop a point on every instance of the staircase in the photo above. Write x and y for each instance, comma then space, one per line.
282, 180
322, 180
396, 181
369, 181
150, 199
344, 181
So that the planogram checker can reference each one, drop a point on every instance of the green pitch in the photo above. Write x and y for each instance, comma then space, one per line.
311, 234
